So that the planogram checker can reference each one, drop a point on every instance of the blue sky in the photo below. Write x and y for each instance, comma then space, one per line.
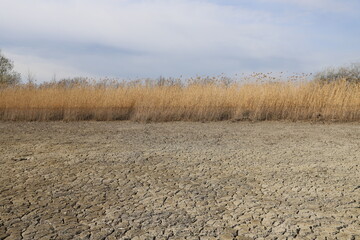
149, 38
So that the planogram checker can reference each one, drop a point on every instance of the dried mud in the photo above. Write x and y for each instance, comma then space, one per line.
222, 180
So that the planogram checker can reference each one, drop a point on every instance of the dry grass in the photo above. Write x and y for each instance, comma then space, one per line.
337, 101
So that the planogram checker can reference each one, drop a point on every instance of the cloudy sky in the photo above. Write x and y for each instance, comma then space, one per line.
149, 38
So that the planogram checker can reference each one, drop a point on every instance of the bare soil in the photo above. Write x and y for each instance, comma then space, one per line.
180, 180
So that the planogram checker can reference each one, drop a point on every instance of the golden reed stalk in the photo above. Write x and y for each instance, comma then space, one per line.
337, 101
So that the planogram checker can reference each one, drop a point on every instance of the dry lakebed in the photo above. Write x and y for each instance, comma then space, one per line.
179, 180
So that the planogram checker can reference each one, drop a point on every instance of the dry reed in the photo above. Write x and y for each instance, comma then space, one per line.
337, 101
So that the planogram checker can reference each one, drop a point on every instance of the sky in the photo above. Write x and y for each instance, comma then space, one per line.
129, 39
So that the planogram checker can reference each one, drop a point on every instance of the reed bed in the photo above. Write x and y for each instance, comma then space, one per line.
336, 101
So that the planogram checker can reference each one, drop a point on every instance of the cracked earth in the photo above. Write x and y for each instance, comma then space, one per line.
223, 180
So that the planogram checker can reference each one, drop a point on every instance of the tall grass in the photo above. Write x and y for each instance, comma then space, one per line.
335, 101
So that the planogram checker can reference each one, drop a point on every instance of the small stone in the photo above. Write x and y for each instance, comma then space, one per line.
243, 238
226, 237
279, 230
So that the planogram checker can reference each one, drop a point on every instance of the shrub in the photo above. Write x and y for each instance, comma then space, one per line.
349, 73
7, 75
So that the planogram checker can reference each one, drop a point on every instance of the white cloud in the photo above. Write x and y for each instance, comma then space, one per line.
42, 69
152, 26
324, 5
183, 30
139, 38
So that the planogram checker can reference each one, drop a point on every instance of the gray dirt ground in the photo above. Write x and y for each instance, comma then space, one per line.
123, 180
